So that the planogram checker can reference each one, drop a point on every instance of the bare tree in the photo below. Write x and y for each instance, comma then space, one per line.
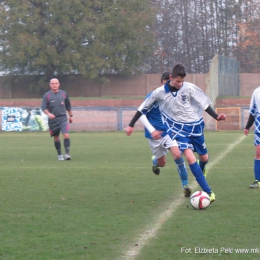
193, 31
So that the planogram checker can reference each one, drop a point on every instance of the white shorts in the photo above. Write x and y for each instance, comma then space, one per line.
161, 146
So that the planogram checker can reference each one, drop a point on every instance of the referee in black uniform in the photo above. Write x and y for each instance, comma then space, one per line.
55, 104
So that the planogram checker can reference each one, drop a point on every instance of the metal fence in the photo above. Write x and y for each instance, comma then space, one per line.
103, 118
223, 78
228, 76
107, 119
85, 119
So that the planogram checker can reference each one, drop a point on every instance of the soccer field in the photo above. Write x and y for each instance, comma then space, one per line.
106, 203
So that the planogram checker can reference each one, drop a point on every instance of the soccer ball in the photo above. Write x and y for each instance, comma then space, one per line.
199, 200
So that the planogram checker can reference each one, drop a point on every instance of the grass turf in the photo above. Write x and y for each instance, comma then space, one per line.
96, 205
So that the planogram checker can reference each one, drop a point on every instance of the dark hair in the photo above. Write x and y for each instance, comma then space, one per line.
165, 76
178, 70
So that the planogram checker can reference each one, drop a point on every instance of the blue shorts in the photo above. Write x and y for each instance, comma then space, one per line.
256, 139
195, 143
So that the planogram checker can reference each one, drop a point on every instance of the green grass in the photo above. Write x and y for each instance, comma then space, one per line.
97, 205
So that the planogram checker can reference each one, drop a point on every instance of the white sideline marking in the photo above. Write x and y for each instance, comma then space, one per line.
153, 228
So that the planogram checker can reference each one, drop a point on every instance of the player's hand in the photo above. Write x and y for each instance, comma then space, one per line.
129, 130
51, 116
246, 132
221, 117
70, 120
156, 134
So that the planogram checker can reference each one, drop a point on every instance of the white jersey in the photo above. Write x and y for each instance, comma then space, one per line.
255, 108
181, 110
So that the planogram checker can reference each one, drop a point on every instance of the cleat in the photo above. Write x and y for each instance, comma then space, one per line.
254, 185
155, 169
205, 169
67, 157
212, 196
60, 157
186, 191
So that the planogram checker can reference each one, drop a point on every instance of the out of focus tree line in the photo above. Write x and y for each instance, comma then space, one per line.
98, 37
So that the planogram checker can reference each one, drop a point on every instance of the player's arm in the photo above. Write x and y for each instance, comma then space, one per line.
130, 128
137, 115
203, 100
45, 109
154, 133
213, 114
250, 122
48, 113
70, 116
44, 104
68, 107
67, 103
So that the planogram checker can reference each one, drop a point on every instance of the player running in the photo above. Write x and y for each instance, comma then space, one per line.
181, 104
160, 147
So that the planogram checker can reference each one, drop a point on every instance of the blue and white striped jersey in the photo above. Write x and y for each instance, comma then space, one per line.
154, 116
255, 109
181, 110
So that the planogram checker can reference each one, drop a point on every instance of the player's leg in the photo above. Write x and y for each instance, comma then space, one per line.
256, 183
158, 158
66, 139
160, 162
199, 146
171, 145
181, 168
157, 163
202, 162
58, 146
197, 172
55, 132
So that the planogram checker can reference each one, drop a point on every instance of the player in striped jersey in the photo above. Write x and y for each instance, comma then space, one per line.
160, 147
181, 104
254, 118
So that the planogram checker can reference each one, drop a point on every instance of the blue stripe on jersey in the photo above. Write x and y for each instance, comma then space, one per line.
256, 115
177, 129
146, 110
166, 87
154, 116
257, 124
253, 110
